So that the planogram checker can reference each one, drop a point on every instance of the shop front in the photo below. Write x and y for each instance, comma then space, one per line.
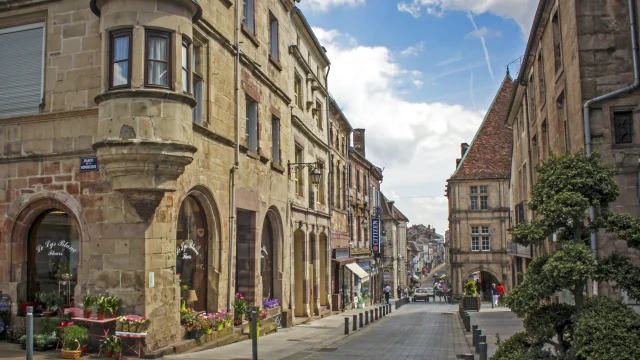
341, 279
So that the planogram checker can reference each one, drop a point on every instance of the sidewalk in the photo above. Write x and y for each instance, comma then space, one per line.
499, 320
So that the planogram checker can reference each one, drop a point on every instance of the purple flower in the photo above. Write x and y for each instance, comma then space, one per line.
4, 307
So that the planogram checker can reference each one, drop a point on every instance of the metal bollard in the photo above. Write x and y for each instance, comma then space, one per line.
355, 322
389, 308
254, 331
467, 323
384, 310
476, 333
361, 320
481, 339
474, 328
371, 315
366, 318
376, 312
483, 351
468, 357
346, 326
29, 332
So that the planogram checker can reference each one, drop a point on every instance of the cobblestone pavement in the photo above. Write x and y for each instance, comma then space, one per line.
499, 320
415, 331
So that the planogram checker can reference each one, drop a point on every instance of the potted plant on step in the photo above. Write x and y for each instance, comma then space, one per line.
108, 344
87, 302
102, 305
72, 339
240, 307
117, 348
471, 300
52, 301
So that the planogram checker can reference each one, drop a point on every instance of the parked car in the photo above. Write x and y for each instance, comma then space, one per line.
423, 294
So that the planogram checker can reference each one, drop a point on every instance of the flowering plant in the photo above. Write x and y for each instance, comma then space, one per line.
269, 304
261, 315
226, 315
240, 307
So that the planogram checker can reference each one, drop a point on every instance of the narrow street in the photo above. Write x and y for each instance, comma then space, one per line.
415, 331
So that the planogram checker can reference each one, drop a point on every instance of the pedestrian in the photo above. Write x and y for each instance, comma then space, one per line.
501, 293
478, 286
387, 290
494, 293
399, 290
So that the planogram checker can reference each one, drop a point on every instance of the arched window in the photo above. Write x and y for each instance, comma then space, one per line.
191, 251
53, 255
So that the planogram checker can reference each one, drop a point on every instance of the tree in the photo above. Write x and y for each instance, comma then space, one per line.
591, 328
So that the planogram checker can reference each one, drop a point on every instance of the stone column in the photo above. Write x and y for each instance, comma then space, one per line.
315, 260
307, 276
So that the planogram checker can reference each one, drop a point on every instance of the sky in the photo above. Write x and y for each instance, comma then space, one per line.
419, 76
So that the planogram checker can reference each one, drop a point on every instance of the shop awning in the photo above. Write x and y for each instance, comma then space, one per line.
356, 269
416, 277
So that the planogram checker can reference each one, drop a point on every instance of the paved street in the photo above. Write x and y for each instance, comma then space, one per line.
499, 320
415, 331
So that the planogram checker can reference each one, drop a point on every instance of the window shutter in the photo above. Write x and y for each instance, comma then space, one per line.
21, 71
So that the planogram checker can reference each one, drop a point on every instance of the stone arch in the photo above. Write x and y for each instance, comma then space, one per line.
271, 253
214, 269
493, 277
21, 215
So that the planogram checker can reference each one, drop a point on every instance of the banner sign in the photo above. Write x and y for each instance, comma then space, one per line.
375, 235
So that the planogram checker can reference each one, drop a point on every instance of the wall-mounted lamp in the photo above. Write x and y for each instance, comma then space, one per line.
316, 174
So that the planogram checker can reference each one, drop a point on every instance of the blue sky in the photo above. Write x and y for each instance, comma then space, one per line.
419, 76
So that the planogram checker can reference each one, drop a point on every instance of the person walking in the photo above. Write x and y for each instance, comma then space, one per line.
406, 291
501, 293
387, 290
494, 293
399, 290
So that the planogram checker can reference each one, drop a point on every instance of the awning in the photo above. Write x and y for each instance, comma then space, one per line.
416, 277
356, 269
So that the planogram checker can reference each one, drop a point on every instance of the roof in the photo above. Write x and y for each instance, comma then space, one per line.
489, 155
399, 215
319, 47
376, 170
334, 104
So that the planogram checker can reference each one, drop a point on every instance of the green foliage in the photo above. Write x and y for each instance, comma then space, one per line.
102, 304
619, 269
52, 300
520, 346
605, 330
551, 320
470, 289
626, 227
529, 233
74, 335
88, 301
48, 325
537, 286
569, 265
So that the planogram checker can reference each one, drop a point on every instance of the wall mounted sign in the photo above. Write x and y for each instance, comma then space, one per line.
375, 235
341, 253
184, 246
88, 164
55, 248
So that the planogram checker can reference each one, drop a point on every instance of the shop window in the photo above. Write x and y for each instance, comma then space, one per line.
191, 251
53, 256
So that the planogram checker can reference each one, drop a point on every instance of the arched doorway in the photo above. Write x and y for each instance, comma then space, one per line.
270, 259
298, 267
324, 296
485, 279
192, 249
313, 280
53, 255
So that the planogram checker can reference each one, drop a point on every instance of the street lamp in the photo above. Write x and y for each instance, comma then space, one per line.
316, 174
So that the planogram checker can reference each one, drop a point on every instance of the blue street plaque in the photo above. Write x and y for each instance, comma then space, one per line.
375, 235
88, 164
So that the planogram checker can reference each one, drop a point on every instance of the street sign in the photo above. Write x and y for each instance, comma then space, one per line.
375, 235
88, 164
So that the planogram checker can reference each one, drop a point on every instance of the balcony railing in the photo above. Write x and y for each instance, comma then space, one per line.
519, 250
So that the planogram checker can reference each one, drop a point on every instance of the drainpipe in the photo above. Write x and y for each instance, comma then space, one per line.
329, 244
236, 164
587, 119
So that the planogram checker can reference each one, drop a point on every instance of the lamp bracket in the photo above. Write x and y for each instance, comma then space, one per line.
295, 167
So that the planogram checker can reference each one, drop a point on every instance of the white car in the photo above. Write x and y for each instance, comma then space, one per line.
423, 294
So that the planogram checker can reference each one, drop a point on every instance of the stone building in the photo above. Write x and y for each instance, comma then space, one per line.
478, 194
394, 245
145, 154
578, 51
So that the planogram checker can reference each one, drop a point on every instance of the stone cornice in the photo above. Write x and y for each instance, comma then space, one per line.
305, 210
293, 49
212, 135
298, 123
42, 157
49, 116
148, 94
250, 64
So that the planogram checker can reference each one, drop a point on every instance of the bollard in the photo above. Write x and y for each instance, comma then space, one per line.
389, 308
355, 322
29, 332
346, 326
371, 315
481, 339
474, 328
376, 312
468, 357
483, 351
467, 323
384, 310
366, 318
254, 331
361, 321
476, 333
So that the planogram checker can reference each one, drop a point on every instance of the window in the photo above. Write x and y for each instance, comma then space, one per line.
562, 120
252, 124
318, 114
545, 139
484, 198
275, 139
622, 125
556, 41
120, 75
474, 197
541, 88
297, 91
198, 83
185, 66
358, 180
24, 96
532, 101
485, 239
158, 59
475, 238
273, 38
191, 249
321, 197
299, 178
248, 14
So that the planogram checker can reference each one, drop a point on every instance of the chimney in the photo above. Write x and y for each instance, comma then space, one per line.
463, 149
458, 162
358, 141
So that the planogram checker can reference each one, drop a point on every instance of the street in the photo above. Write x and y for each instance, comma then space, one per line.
415, 331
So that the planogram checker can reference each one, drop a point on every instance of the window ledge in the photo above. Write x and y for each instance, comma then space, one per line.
275, 63
226, 3
252, 155
250, 35
147, 93
277, 167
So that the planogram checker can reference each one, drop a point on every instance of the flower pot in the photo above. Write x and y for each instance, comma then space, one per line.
114, 314
48, 313
193, 334
100, 316
228, 323
118, 326
219, 326
237, 322
257, 332
117, 356
471, 303
86, 313
108, 354
125, 327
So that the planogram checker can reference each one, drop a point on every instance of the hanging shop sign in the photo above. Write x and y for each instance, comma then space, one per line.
375, 235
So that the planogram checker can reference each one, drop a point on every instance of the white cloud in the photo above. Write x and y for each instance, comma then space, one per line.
413, 50
324, 5
522, 11
416, 142
418, 83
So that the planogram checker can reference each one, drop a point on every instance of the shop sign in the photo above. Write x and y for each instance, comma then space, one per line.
55, 248
387, 278
375, 235
340, 253
88, 164
183, 247
360, 252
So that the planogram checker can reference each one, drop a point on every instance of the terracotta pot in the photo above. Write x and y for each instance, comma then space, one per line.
48, 313
86, 313
100, 316
117, 356
114, 314
108, 354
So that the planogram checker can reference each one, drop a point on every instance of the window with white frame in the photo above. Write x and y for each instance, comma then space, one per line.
252, 124
21, 69
248, 15
198, 82
484, 198
185, 66
475, 238
275, 139
473, 197
486, 241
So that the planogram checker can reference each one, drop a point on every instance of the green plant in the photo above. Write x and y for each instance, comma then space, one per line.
48, 325
114, 303
52, 300
470, 289
102, 304
44, 340
23, 340
88, 301
110, 343
74, 335
240, 305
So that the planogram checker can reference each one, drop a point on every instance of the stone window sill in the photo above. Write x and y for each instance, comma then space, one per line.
275, 63
250, 35
277, 167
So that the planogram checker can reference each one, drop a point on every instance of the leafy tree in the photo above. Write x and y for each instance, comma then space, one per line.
592, 328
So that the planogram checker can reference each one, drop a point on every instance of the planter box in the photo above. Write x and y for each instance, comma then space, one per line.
471, 303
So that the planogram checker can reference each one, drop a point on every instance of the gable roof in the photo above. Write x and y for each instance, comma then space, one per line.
399, 215
489, 155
